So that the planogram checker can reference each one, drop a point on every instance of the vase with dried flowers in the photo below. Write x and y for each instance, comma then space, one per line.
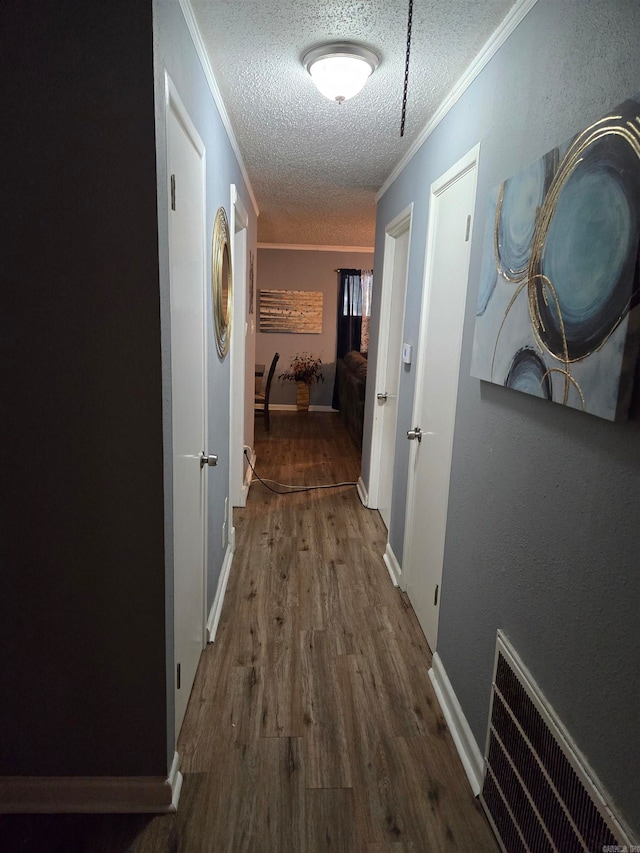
304, 370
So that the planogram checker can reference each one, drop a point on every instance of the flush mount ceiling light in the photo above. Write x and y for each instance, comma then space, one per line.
340, 70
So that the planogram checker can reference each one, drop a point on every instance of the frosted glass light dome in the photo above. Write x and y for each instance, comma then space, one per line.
340, 71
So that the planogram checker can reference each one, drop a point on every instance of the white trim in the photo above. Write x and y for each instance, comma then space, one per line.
398, 225
216, 607
362, 492
239, 237
248, 476
307, 247
201, 50
515, 16
91, 794
171, 97
174, 780
241, 215
393, 566
205, 404
465, 742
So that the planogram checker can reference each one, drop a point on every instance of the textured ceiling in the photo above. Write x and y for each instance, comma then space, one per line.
315, 166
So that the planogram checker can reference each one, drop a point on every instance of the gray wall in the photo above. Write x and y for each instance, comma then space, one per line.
542, 535
285, 269
174, 53
82, 625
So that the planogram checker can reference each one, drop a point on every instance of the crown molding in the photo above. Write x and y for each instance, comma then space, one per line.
491, 47
201, 50
306, 247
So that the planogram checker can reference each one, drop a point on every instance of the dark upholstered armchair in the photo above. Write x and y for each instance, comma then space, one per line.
352, 385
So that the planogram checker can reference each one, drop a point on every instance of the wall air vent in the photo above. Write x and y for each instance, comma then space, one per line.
538, 793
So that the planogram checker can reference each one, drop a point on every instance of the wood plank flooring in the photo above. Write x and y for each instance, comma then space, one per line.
312, 725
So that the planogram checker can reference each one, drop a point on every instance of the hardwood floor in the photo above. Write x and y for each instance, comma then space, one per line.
312, 725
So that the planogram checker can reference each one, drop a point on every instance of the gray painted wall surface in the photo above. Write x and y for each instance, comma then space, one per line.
82, 633
175, 53
542, 535
287, 269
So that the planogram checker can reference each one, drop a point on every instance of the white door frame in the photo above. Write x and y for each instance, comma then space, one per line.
173, 102
393, 230
464, 165
239, 222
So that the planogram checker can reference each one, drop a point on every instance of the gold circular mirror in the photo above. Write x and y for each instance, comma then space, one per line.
221, 282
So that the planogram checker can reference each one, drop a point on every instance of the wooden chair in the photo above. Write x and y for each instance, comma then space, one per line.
261, 402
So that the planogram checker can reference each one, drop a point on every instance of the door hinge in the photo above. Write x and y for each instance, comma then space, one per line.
173, 192
466, 239
435, 597
178, 678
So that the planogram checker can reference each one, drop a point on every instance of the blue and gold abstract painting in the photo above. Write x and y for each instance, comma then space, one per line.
558, 311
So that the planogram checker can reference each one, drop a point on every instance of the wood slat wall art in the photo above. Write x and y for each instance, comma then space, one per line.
297, 311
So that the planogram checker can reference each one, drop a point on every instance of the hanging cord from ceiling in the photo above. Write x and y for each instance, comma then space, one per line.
292, 490
406, 69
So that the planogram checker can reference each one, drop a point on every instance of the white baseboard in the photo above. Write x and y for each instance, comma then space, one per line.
466, 744
91, 794
363, 494
248, 477
393, 566
216, 607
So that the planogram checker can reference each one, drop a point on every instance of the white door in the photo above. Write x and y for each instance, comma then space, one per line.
392, 303
387, 395
187, 287
443, 304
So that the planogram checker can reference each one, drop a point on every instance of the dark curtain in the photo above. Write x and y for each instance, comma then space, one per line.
349, 320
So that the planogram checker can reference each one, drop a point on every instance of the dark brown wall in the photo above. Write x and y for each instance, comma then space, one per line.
82, 649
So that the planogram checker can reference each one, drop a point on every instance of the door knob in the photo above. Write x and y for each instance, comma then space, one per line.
382, 396
415, 433
211, 461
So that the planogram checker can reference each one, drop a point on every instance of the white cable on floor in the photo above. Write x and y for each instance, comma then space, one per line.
294, 489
